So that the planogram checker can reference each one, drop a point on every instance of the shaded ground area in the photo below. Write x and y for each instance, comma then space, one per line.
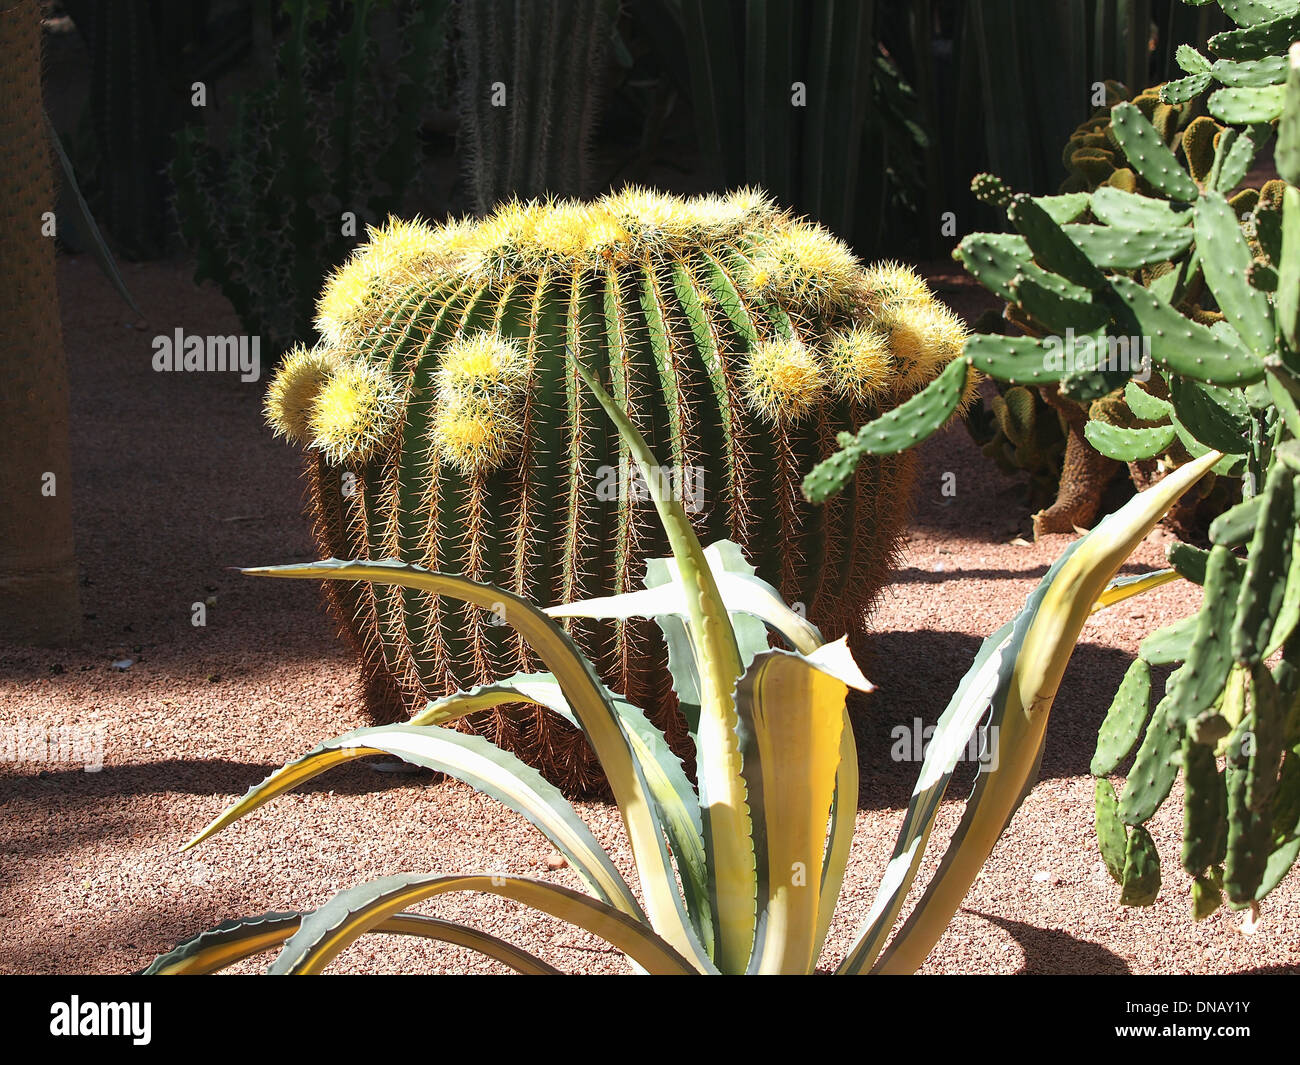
177, 480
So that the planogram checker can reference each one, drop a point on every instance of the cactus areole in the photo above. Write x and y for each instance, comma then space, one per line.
449, 428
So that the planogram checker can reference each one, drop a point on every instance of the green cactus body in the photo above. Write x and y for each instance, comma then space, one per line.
1140, 881
1170, 644
740, 340
1122, 728
1205, 809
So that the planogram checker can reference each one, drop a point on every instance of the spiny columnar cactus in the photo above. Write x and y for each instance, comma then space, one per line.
445, 392
530, 78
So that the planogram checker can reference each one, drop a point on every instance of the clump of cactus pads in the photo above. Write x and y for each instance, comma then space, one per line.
449, 428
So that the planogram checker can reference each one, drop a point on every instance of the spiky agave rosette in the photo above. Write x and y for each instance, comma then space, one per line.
450, 429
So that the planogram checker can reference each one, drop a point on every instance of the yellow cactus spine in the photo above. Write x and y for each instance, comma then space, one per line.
355, 411
783, 380
294, 389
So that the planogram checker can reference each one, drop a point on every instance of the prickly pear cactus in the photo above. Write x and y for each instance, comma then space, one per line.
1093, 154
1207, 281
1103, 195
448, 425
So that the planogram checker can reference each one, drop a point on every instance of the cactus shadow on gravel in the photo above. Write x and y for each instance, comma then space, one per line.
1051, 952
914, 670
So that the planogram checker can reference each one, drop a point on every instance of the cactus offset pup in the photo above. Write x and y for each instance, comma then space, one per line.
448, 427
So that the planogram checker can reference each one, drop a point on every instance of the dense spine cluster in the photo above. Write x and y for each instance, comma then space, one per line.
444, 392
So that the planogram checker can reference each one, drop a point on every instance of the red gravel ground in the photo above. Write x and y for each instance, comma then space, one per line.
176, 480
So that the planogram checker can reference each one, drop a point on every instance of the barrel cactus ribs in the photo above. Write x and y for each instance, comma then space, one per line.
447, 426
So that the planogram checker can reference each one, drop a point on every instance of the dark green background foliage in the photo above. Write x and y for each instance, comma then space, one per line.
331, 142
317, 107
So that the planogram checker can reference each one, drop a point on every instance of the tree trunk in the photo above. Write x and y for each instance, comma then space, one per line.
38, 567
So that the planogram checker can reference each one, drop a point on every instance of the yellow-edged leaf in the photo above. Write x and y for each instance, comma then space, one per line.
844, 811
585, 694
477, 762
1122, 588
232, 941
678, 805
741, 593
328, 931
792, 718
727, 825
1036, 675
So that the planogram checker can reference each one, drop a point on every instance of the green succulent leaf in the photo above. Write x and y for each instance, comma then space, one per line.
1205, 808
1021, 701
1210, 415
1182, 90
1128, 445
1226, 261
1122, 727
1207, 897
1169, 644
232, 941
1112, 834
1287, 156
1243, 106
791, 715
1019, 360
1254, 73
897, 430
1191, 61
1064, 208
327, 932
1189, 561
1052, 246
1141, 877
585, 694
1148, 154
995, 259
989, 671
1257, 12
1236, 154
1184, 346
1057, 313
467, 757
1144, 405
1125, 249
728, 838
676, 803
1127, 210
1258, 40
1260, 599
1237, 524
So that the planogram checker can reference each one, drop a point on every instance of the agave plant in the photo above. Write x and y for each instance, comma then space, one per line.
741, 872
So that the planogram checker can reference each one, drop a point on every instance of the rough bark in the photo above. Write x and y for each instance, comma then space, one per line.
39, 602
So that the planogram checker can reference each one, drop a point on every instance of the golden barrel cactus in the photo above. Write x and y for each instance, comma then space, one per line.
448, 427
